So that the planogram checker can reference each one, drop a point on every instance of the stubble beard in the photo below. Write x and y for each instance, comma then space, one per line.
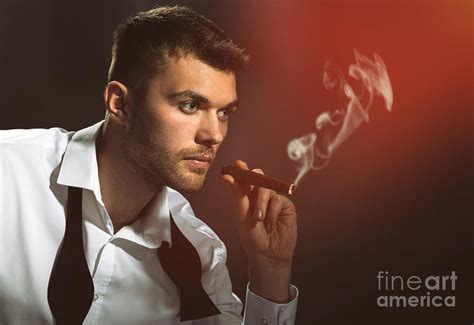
155, 162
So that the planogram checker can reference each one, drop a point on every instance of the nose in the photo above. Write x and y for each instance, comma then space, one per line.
210, 131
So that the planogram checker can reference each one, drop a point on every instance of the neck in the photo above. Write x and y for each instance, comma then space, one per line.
125, 192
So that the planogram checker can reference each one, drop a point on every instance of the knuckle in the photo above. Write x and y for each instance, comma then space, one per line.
241, 163
264, 193
293, 207
289, 204
277, 198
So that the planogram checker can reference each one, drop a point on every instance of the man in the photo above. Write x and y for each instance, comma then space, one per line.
170, 94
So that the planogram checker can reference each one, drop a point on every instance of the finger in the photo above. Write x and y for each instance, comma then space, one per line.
239, 189
239, 192
238, 198
259, 200
244, 188
275, 205
288, 212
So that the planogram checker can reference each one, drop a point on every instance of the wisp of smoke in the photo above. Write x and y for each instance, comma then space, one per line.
313, 150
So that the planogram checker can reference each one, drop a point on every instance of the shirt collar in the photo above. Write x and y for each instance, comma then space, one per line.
154, 226
79, 169
79, 164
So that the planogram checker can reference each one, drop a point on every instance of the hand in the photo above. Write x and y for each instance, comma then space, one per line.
267, 225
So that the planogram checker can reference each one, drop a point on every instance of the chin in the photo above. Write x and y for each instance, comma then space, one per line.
188, 182
188, 187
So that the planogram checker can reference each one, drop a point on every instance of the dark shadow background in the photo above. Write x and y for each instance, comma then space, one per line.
397, 195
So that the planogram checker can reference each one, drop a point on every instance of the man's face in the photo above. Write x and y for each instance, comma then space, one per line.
177, 128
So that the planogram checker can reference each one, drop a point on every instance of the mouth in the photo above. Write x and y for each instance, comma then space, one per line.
199, 161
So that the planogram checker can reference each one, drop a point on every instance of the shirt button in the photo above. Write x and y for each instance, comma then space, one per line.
264, 321
96, 296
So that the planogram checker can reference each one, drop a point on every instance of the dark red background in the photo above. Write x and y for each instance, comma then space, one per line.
397, 196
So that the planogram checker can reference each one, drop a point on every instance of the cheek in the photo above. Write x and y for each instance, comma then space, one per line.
176, 130
224, 128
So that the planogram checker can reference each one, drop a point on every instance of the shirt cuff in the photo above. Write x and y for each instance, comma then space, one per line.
260, 311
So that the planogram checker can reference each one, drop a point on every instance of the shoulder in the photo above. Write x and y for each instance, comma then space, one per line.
28, 151
34, 143
45, 138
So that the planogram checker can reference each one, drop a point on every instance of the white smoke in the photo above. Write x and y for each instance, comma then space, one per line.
313, 150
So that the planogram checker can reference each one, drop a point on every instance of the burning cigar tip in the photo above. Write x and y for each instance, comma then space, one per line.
292, 189
260, 180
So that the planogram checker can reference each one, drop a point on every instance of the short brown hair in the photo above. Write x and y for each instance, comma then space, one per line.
142, 43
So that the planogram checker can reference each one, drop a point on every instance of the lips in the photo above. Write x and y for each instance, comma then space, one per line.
204, 158
199, 161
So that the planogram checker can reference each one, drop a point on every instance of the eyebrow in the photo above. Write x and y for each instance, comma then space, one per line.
199, 98
232, 104
189, 94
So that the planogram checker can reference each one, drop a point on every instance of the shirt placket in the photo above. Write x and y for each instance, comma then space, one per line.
101, 278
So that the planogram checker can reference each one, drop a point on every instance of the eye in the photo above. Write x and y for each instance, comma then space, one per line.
225, 114
189, 107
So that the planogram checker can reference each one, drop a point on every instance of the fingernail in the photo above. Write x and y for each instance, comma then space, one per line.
259, 214
269, 228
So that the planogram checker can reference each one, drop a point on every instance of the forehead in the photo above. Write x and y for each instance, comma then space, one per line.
189, 73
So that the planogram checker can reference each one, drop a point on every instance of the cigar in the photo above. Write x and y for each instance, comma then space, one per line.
253, 178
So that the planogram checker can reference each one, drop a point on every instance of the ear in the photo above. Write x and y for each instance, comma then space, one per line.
117, 102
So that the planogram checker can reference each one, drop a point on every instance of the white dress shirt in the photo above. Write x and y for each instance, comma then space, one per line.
36, 168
